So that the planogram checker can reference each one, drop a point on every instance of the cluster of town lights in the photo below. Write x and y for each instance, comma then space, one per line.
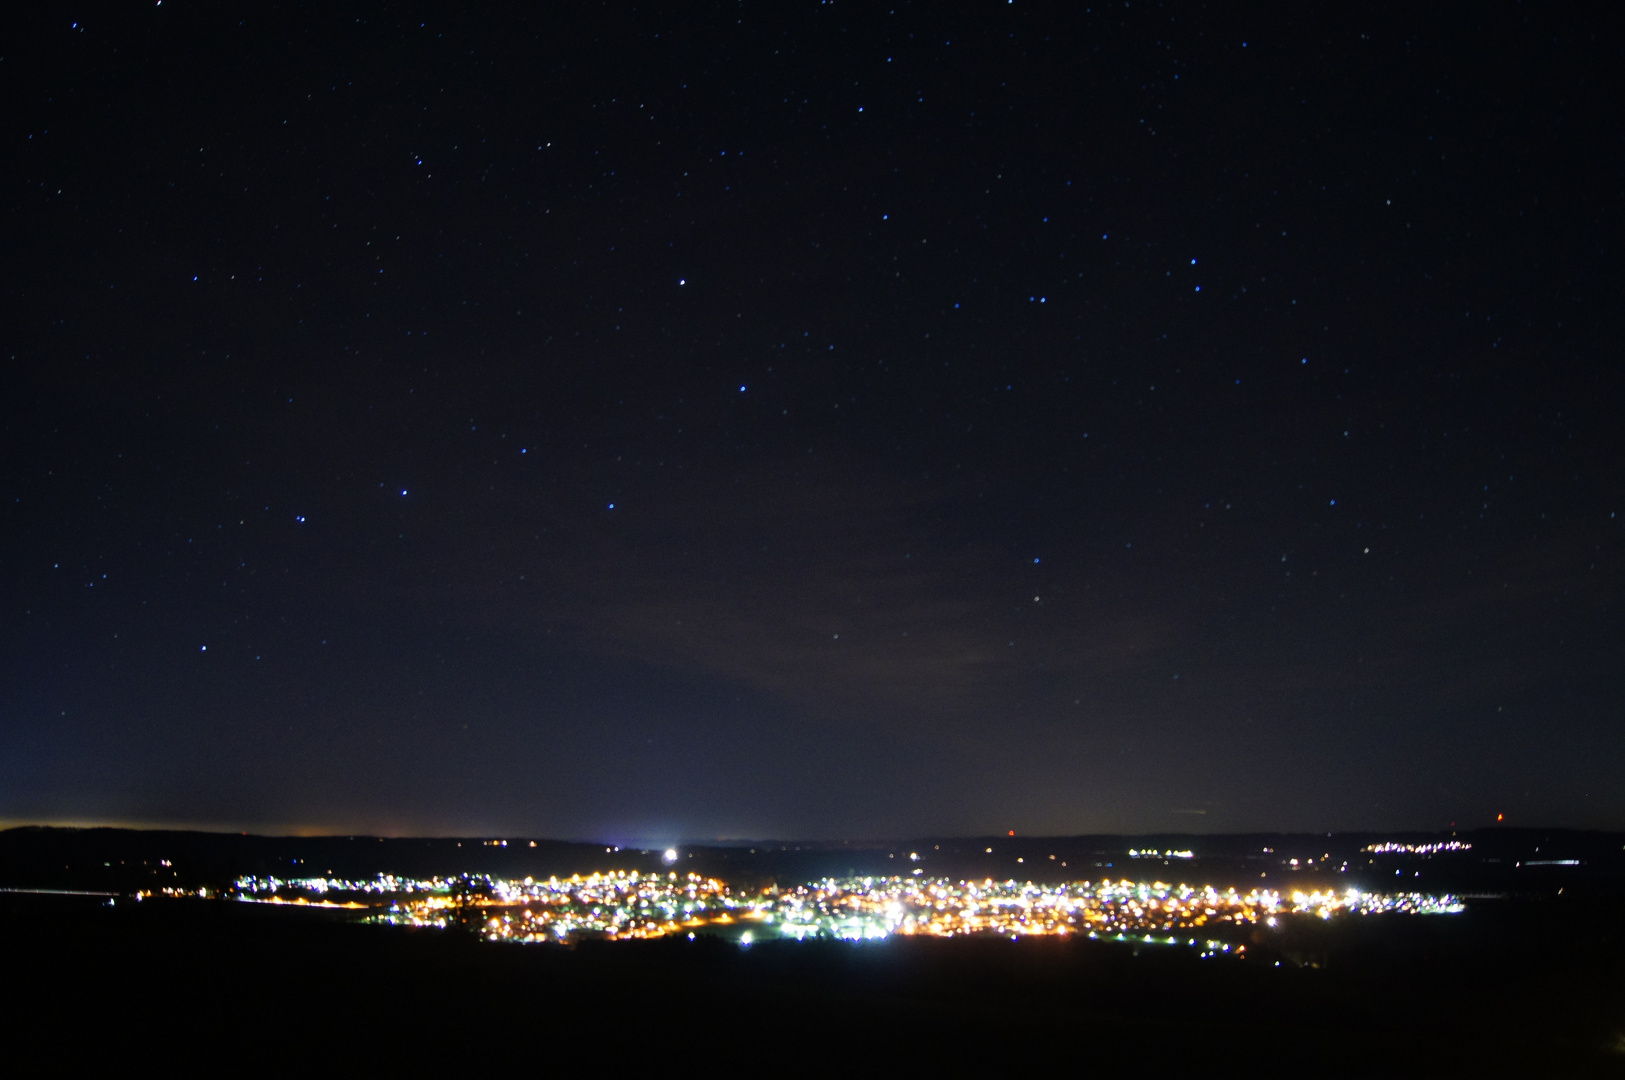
629, 905
880, 907
1392, 848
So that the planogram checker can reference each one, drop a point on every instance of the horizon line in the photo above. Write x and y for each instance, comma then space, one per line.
306, 832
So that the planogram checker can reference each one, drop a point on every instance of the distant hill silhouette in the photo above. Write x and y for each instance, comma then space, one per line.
1524, 861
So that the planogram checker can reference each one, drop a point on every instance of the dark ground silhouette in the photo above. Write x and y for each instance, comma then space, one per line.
1529, 988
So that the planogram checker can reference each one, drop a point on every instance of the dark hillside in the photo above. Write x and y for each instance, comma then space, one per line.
219, 985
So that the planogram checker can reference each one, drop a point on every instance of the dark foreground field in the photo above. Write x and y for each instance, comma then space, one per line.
1503, 990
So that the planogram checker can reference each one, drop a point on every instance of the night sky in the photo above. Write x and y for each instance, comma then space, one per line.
810, 419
